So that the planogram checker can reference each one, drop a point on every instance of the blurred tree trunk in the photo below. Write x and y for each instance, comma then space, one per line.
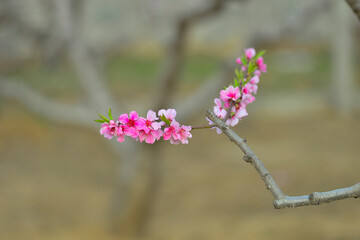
342, 59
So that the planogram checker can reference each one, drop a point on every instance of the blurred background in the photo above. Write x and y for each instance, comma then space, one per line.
61, 61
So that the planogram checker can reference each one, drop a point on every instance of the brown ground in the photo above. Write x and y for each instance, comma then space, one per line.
56, 181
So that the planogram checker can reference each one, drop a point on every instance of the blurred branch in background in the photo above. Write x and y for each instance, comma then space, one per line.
343, 84
295, 23
174, 60
355, 6
42, 105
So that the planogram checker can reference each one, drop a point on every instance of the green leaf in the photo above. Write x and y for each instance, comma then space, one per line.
99, 120
110, 116
237, 73
241, 76
259, 54
251, 67
104, 118
236, 82
165, 120
244, 60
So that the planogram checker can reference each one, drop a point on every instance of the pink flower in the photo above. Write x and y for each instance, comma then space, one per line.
177, 134
172, 133
184, 134
132, 124
246, 89
230, 93
250, 88
237, 113
152, 130
238, 60
232, 121
120, 133
218, 109
108, 130
257, 73
247, 98
250, 53
241, 113
254, 89
261, 65
170, 114
150, 122
254, 80
151, 136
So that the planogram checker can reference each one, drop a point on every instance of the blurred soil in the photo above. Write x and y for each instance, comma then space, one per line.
56, 181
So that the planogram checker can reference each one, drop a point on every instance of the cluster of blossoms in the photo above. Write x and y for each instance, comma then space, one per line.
231, 105
149, 129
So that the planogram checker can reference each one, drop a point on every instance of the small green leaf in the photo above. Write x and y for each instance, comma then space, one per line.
236, 82
104, 118
237, 73
99, 120
244, 60
241, 76
259, 54
110, 116
165, 120
252, 67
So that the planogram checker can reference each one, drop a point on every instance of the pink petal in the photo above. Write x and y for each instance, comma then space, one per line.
174, 141
134, 116
171, 114
175, 124
241, 113
250, 53
186, 128
150, 139
238, 60
156, 125
254, 88
217, 102
257, 73
263, 67
151, 116
166, 134
260, 61
162, 112
120, 138
140, 124
124, 118
254, 80
232, 121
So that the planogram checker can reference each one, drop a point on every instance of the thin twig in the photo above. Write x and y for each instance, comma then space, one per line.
282, 200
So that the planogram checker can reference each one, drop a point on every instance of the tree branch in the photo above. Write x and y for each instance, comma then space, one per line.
176, 52
294, 23
68, 18
282, 200
355, 6
74, 113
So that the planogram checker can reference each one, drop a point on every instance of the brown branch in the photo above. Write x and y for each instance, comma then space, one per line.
355, 6
282, 200
168, 81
